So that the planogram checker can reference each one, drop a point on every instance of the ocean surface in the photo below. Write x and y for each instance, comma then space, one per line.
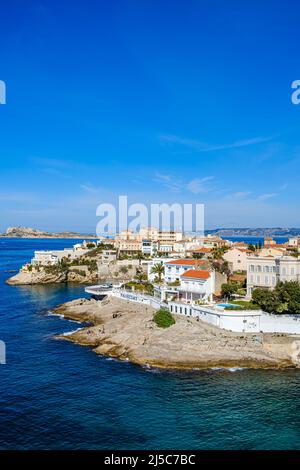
58, 395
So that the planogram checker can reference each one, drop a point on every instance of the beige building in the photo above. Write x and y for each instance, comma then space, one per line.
237, 257
129, 247
212, 241
267, 271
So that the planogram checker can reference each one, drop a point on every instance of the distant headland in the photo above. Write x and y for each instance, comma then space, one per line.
28, 232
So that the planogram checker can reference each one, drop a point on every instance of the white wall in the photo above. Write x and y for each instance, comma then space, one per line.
139, 298
238, 320
279, 323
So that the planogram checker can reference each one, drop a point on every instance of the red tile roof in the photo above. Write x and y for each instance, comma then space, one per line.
201, 250
196, 274
187, 262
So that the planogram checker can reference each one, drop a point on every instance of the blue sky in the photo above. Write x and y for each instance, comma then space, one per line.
165, 101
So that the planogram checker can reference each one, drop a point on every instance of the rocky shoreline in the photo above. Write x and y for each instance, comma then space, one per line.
126, 331
42, 277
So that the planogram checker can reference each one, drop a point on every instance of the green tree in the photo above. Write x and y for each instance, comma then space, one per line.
269, 301
159, 270
140, 276
230, 288
198, 255
252, 247
217, 253
124, 269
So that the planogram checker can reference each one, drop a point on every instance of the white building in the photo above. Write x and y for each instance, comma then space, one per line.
267, 271
146, 247
196, 285
108, 255
175, 268
44, 258
52, 257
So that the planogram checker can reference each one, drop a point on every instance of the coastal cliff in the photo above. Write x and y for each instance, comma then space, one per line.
126, 331
42, 277
80, 274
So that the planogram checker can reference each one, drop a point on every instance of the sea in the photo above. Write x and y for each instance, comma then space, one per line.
58, 395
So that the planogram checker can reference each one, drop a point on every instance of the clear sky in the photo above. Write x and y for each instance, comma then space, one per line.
165, 101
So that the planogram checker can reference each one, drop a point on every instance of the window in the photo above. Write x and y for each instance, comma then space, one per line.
266, 280
258, 269
258, 279
273, 280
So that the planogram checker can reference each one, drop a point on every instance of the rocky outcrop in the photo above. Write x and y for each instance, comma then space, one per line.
41, 277
126, 330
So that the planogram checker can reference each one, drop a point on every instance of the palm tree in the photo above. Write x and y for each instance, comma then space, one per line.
159, 270
218, 252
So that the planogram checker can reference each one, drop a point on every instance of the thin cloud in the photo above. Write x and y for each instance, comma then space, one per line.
89, 188
265, 197
169, 182
195, 186
239, 195
204, 147
198, 185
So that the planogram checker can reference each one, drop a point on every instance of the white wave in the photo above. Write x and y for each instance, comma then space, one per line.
68, 333
59, 315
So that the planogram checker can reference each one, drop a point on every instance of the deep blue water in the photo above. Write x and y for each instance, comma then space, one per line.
57, 395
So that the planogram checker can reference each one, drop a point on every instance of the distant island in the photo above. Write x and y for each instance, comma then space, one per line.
28, 232
255, 232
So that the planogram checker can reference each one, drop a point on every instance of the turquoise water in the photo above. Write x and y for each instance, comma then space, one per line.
57, 395
227, 305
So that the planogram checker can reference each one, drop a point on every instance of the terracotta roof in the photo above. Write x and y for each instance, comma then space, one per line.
187, 262
201, 250
196, 274
238, 277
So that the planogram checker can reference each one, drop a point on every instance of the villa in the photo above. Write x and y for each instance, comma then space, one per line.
265, 271
175, 268
53, 257
196, 284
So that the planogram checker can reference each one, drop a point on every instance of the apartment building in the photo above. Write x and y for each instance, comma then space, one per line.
266, 271
129, 247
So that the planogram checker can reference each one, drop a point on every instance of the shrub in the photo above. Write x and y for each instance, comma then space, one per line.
79, 272
124, 269
163, 318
